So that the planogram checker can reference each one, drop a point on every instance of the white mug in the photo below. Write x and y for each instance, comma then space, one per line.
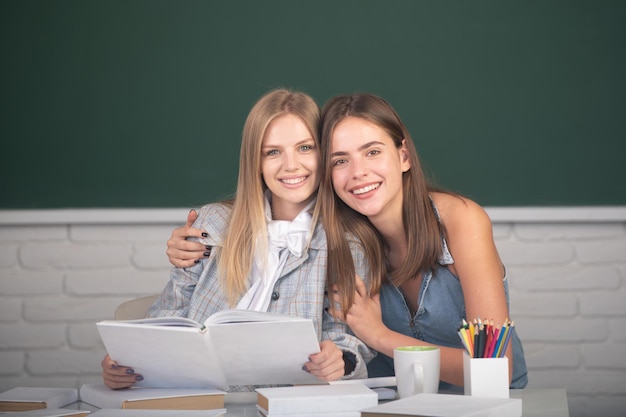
417, 369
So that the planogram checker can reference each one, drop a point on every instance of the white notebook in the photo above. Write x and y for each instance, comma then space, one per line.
447, 405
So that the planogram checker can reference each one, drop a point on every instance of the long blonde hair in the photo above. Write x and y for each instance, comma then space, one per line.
423, 231
247, 221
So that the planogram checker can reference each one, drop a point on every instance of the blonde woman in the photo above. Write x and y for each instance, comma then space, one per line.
268, 250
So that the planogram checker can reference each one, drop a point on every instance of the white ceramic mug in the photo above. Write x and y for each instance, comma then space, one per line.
417, 369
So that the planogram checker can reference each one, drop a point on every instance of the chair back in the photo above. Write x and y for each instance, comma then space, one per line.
135, 308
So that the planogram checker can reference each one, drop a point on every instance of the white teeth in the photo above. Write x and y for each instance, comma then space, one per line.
293, 180
365, 189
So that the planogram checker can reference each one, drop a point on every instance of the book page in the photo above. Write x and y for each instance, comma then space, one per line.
162, 321
261, 353
238, 316
166, 356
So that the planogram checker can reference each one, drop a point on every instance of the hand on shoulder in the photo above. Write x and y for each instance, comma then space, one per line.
181, 252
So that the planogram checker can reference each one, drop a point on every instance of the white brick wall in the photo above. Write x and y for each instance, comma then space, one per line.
62, 272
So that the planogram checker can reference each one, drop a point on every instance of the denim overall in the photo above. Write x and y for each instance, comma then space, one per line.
441, 310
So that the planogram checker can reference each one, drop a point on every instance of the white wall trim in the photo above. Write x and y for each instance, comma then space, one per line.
557, 214
94, 216
178, 215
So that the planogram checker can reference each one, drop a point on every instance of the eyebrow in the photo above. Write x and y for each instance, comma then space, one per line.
280, 145
361, 148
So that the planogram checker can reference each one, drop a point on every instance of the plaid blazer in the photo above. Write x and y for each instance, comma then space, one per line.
195, 292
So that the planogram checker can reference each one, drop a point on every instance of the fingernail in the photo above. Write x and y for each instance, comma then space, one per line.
130, 371
304, 368
207, 254
208, 248
139, 378
114, 366
197, 261
205, 234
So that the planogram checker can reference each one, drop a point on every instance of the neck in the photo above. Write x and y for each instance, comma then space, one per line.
282, 210
393, 233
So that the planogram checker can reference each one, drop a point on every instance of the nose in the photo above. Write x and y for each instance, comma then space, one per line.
359, 168
291, 161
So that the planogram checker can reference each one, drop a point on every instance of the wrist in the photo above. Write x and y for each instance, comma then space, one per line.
377, 338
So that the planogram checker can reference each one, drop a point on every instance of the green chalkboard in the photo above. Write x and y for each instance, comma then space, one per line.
118, 103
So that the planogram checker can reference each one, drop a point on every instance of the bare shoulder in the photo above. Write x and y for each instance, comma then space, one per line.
460, 213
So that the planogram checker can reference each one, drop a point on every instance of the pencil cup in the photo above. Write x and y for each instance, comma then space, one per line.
486, 377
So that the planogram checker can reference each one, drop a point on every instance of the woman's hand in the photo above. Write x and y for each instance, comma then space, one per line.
364, 317
183, 253
328, 364
116, 376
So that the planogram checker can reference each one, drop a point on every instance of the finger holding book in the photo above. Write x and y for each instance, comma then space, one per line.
328, 364
116, 376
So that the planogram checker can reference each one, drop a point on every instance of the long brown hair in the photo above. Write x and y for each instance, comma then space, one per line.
247, 221
423, 231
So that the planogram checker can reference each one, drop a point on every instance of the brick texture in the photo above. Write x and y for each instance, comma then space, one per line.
567, 287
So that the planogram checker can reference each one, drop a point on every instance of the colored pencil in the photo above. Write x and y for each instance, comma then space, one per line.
508, 338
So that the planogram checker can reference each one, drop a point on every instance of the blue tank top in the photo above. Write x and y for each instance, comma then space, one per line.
441, 310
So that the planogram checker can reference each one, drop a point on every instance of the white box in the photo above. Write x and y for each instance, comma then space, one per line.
486, 377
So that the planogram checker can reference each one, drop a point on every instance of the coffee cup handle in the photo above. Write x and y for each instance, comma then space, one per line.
418, 378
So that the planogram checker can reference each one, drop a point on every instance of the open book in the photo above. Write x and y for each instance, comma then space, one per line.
232, 347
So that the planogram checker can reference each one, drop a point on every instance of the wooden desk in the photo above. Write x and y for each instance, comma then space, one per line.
535, 403
542, 402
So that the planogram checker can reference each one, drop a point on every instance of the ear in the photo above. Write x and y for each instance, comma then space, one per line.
405, 161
